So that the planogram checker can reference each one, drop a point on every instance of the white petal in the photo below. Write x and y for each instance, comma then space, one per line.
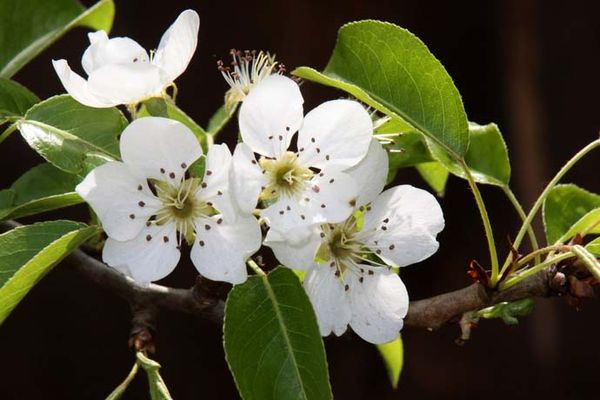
150, 256
326, 293
270, 115
370, 174
328, 197
127, 83
161, 148
296, 248
337, 132
119, 50
113, 191
221, 249
216, 181
248, 179
401, 225
178, 44
78, 87
379, 303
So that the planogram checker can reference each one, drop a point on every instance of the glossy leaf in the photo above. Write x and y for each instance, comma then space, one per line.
272, 341
391, 70
28, 253
15, 99
73, 137
594, 247
393, 356
588, 224
119, 391
435, 174
27, 27
564, 206
42, 188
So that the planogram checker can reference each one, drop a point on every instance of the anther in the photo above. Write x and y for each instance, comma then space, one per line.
162, 170
220, 221
346, 288
166, 239
204, 185
207, 227
208, 172
391, 247
132, 216
183, 165
141, 204
370, 272
201, 243
139, 187
331, 180
172, 175
322, 205
219, 193
148, 238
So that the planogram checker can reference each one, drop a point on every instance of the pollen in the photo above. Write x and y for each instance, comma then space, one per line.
286, 177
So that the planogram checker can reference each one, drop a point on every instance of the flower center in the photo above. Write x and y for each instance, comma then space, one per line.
340, 245
247, 69
181, 206
286, 176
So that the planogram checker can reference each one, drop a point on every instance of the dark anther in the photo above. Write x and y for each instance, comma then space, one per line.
201, 243
322, 205
148, 237
141, 204
207, 227
208, 172
220, 221
132, 216
183, 165
140, 187
392, 247
204, 185
162, 170
346, 288
166, 239
172, 175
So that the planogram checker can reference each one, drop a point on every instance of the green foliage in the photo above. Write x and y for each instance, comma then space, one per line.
391, 70
15, 99
219, 119
272, 342
435, 174
594, 247
29, 27
29, 252
508, 312
73, 137
42, 188
568, 210
393, 356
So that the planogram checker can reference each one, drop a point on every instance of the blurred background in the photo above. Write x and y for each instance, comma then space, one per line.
531, 66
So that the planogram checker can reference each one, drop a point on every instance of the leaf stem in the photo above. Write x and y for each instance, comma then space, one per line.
519, 208
537, 253
8, 132
252, 264
589, 260
533, 270
538, 203
489, 233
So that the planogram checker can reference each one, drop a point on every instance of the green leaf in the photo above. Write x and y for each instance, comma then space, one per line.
435, 174
393, 356
219, 119
15, 99
594, 247
391, 70
272, 341
158, 388
168, 109
42, 188
73, 137
27, 27
27, 253
564, 206
588, 224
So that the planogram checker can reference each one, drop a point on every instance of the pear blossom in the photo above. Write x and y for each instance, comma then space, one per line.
308, 186
248, 68
349, 280
148, 205
120, 71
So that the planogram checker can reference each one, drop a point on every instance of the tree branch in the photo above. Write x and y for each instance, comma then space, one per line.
205, 298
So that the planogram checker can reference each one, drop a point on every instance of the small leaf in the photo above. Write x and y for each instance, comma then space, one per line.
435, 174
42, 188
15, 99
509, 312
158, 388
28, 27
393, 356
564, 206
391, 70
272, 341
28, 253
168, 109
594, 247
588, 224
73, 137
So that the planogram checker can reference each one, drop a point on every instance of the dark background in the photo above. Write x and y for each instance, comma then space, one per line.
531, 66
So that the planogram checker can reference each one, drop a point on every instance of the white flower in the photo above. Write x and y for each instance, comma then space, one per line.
247, 70
308, 186
348, 279
148, 205
121, 72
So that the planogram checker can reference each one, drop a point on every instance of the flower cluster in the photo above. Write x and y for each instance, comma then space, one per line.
314, 182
